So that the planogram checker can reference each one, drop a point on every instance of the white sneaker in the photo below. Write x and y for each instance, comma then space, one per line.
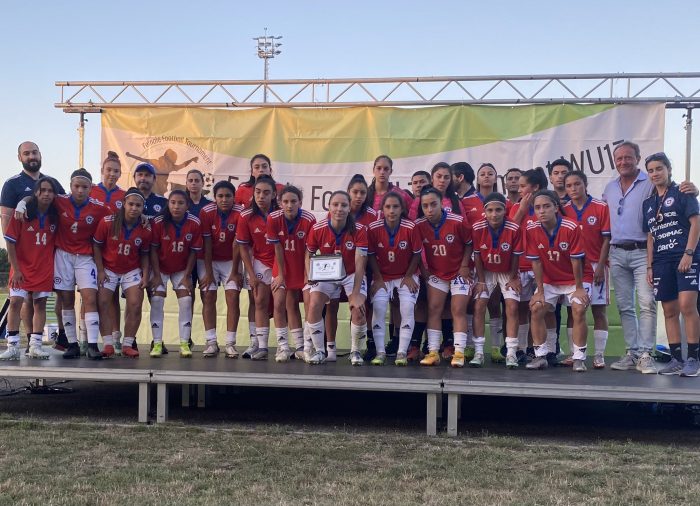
645, 364
260, 354
317, 357
283, 354
511, 361
11, 353
37, 351
331, 356
211, 350
356, 358
231, 351
250, 350
598, 361
300, 354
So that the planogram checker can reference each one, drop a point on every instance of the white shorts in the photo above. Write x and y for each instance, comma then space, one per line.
332, 288
527, 285
494, 279
403, 292
222, 271
175, 279
262, 272
20, 292
70, 270
457, 286
600, 294
555, 294
125, 281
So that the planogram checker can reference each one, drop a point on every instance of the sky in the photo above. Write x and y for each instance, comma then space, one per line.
44, 42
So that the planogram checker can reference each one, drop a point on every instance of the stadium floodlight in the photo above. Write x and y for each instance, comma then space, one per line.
268, 48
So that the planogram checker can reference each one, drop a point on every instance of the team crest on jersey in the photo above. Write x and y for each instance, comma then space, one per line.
231, 227
563, 246
669, 202
349, 244
403, 244
118, 204
89, 220
188, 237
450, 238
57, 281
592, 220
157, 208
301, 234
52, 228
137, 241
505, 246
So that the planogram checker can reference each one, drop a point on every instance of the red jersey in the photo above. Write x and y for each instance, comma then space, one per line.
555, 252
473, 206
444, 244
407, 199
34, 242
393, 249
244, 193
175, 241
252, 228
594, 221
77, 225
122, 254
222, 230
369, 216
112, 199
446, 205
292, 236
496, 247
324, 239
525, 264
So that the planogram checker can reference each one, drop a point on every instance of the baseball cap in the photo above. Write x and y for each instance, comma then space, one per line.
147, 167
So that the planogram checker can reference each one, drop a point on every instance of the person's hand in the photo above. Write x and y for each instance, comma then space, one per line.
689, 188
357, 300
514, 284
377, 285
650, 276
466, 274
526, 201
237, 278
206, 280
101, 278
582, 296
143, 284
186, 284
254, 283
599, 274
155, 282
479, 288
277, 283
685, 263
17, 280
21, 210
410, 283
536, 300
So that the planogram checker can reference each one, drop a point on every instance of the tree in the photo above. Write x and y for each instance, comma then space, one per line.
4, 261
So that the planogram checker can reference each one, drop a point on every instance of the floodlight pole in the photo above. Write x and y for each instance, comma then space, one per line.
688, 140
268, 47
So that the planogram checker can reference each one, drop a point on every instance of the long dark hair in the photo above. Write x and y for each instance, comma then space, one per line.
33, 202
120, 215
350, 223
273, 205
427, 190
450, 191
167, 217
251, 181
536, 177
358, 178
372, 188
393, 195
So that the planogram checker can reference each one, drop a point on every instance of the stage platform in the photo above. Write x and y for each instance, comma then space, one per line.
492, 380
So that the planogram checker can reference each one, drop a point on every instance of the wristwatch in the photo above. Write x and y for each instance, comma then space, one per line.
689, 252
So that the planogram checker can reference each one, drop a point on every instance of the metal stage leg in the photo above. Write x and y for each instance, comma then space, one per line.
201, 396
161, 402
431, 414
185, 396
144, 401
452, 409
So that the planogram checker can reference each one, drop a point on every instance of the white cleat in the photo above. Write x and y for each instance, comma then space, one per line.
316, 358
260, 354
37, 351
11, 353
356, 358
212, 350
283, 354
231, 351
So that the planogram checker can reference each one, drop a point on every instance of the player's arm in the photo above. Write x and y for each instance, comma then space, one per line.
247, 257
356, 299
5, 214
279, 282
514, 274
99, 264
17, 279
408, 280
377, 279
464, 270
580, 292
692, 243
689, 188
208, 269
145, 269
156, 280
235, 275
650, 258
186, 282
537, 269
599, 274
480, 276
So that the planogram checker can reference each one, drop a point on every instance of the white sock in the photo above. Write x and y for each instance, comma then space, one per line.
230, 337
495, 327
479, 344
116, 336
129, 341
512, 345
13, 340
253, 332
460, 341
316, 331
92, 319
600, 338
157, 303
551, 340
107, 340
434, 339
358, 333
35, 339
408, 322
69, 325
308, 344
579, 352
210, 335
82, 330
379, 307
263, 335
330, 350
184, 318
541, 350
282, 340
570, 337
298, 338
523, 331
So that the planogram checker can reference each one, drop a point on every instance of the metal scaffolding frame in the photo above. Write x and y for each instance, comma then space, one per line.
676, 90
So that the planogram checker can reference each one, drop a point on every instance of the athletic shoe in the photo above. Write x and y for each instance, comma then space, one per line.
331, 355
477, 361
37, 351
83, 348
568, 361
93, 352
645, 364
673, 368
164, 350
413, 354
538, 363
522, 357
552, 359
317, 357
211, 350
108, 351
392, 347
130, 352
401, 359
662, 353
117, 348
73, 351
231, 351
469, 352
370, 352
690, 368
299, 354
579, 365
250, 350
530, 354
598, 361
448, 351
156, 350
283, 354
185, 351
496, 356
457, 359
61, 342
626, 363
356, 358
432, 358
260, 354
11, 353
380, 359
511, 361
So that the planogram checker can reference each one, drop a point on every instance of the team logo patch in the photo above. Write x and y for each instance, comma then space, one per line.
188, 237
119, 204
52, 228
157, 208
563, 246
403, 244
137, 241
450, 238
259, 275
89, 220
231, 227
301, 234
57, 281
669, 202
505, 246
349, 244
592, 220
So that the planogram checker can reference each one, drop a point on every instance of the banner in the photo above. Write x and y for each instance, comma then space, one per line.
320, 149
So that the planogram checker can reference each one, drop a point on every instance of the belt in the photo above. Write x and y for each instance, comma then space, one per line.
630, 246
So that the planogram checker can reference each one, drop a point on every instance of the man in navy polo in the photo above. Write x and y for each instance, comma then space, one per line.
145, 180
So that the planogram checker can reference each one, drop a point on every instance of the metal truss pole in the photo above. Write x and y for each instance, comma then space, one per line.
688, 140
81, 140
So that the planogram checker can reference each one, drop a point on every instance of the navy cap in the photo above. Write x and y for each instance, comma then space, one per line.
147, 167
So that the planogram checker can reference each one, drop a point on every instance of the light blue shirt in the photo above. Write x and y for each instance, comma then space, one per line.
626, 213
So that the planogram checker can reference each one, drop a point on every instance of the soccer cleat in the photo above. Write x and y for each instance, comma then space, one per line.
73, 351
299, 354
448, 351
231, 351
645, 364
157, 350
108, 351
598, 361
511, 361
432, 358
93, 352
210, 350
356, 358
11, 353
260, 354
673, 368
380, 359
496, 356
626, 363
283, 354
568, 361
37, 351
248, 352
478, 360
413, 353
316, 358
538, 363
690, 368
185, 351
457, 359
579, 365
117, 348
164, 350
552, 359
83, 348
392, 347
371, 351
401, 359
61, 342
522, 357
469, 352
130, 352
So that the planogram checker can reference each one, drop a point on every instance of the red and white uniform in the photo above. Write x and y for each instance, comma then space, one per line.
221, 228
245, 191
34, 242
377, 204
496, 249
446, 205
121, 255
175, 242
292, 236
527, 277
393, 251
112, 199
252, 231
77, 224
367, 217
473, 206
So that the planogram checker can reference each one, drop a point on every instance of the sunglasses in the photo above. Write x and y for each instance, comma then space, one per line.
656, 157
